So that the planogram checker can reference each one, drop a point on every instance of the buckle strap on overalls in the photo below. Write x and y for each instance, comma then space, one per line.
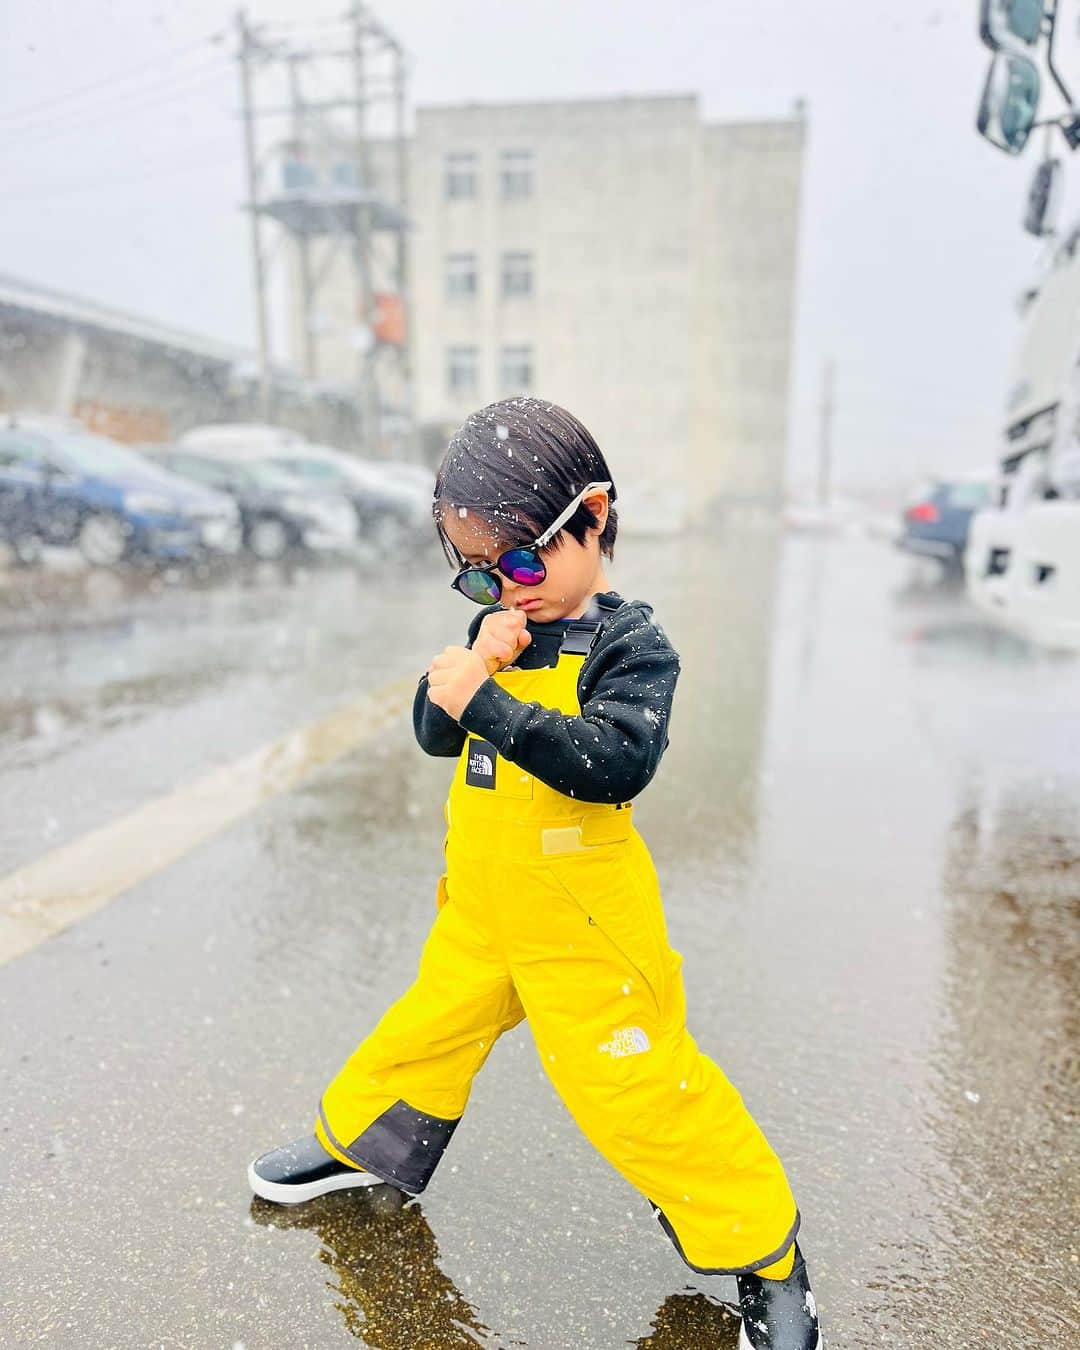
603, 828
581, 633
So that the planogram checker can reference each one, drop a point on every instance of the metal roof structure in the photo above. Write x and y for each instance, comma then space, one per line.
33, 298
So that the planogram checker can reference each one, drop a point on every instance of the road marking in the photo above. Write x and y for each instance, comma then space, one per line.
57, 890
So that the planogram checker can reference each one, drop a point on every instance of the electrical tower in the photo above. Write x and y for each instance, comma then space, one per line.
332, 182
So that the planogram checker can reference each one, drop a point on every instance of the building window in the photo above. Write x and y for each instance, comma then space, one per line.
461, 176
516, 370
460, 275
516, 174
462, 370
517, 274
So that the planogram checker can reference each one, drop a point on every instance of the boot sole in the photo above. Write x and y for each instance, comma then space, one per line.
744, 1341
295, 1193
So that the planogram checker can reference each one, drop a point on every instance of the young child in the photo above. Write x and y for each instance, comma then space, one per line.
557, 712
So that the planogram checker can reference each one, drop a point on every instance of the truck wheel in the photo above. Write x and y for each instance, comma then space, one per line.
102, 540
268, 540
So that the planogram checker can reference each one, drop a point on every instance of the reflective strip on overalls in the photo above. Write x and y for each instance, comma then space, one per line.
550, 910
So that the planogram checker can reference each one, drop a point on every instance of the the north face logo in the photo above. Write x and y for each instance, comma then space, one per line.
625, 1041
480, 764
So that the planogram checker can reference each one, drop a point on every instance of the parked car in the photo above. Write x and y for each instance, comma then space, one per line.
936, 524
389, 513
22, 499
278, 511
92, 493
390, 509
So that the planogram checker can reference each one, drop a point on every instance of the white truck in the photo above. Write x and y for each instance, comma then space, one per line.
1023, 555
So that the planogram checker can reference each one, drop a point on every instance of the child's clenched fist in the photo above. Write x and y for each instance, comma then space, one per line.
453, 677
502, 635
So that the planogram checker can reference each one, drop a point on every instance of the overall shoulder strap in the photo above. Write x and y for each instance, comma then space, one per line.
581, 633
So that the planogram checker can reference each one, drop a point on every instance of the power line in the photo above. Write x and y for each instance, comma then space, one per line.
109, 81
138, 101
175, 82
107, 180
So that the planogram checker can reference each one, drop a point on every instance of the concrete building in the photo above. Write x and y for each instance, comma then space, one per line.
621, 257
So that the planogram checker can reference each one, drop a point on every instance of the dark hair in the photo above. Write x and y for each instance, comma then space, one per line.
519, 464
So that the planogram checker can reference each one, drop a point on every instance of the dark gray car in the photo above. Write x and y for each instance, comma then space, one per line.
278, 512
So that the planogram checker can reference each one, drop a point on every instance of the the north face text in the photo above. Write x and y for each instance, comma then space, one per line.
480, 766
625, 1041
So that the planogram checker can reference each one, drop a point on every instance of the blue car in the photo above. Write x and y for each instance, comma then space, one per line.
936, 524
66, 486
20, 510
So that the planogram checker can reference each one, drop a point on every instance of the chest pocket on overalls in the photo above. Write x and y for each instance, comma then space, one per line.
487, 770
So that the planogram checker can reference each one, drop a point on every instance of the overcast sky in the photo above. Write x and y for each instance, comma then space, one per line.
126, 189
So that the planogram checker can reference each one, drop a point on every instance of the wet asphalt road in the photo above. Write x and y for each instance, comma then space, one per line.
868, 829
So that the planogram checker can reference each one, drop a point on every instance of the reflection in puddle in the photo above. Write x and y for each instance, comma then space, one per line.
33, 598
692, 1322
939, 616
35, 727
392, 1294
71, 882
389, 1288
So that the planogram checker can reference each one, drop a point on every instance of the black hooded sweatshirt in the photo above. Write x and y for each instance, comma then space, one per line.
609, 752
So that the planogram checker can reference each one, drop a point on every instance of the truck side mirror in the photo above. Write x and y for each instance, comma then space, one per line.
1010, 102
1001, 22
1043, 198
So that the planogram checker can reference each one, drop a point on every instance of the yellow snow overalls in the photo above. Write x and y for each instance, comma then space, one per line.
550, 910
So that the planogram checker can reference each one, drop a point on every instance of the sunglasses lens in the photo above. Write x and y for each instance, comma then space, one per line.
483, 587
523, 566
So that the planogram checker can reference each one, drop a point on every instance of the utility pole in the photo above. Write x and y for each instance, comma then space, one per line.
365, 293
825, 451
246, 52
303, 239
403, 270
336, 202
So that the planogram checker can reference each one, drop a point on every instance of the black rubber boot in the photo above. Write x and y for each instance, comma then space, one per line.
302, 1170
779, 1314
